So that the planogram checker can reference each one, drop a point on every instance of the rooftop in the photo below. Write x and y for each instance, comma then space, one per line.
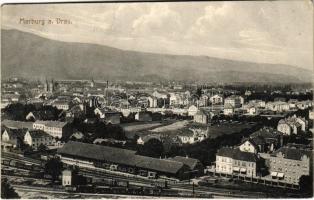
17, 124
191, 162
236, 154
51, 123
38, 134
293, 153
119, 156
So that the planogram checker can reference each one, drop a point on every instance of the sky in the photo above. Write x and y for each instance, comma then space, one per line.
262, 31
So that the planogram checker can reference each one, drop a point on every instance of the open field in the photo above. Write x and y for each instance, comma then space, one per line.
140, 126
171, 127
227, 129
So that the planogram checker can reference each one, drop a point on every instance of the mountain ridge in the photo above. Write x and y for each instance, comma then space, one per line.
71, 60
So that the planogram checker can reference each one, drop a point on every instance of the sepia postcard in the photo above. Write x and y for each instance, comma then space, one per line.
147, 100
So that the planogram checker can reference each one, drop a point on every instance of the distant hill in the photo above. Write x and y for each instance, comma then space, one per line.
28, 55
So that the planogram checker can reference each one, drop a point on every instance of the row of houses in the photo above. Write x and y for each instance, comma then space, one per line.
292, 125
263, 156
15, 133
15, 138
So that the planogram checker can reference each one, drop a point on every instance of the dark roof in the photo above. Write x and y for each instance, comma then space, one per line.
38, 134
161, 165
251, 141
258, 140
236, 154
228, 106
17, 124
16, 133
43, 114
119, 156
266, 133
51, 123
293, 153
201, 112
191, 162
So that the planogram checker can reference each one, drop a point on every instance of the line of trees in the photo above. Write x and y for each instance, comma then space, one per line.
19, 111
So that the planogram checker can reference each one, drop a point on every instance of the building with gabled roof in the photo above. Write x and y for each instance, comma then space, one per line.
234, 100
35, 138
90, 155
228, 109
40, 115
267, 139
13, 137
202, 117
292, 125
196, 167
234, 161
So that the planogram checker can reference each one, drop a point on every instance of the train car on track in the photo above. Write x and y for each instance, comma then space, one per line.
7, 171
5, 162
160, 184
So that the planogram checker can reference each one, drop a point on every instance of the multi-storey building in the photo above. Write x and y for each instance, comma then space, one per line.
56, 129
228, 109
216, 99
234, 161
292, 125
278, 106
61, 105
290, 163
35, 138
235, 101
201, 117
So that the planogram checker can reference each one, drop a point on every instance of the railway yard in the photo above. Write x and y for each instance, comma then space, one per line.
27, 176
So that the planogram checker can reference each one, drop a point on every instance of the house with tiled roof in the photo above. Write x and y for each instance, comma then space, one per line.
234, 100
249, 145
267, 139
202, 116
35, 138
191, 135
192, 110
216, 99
61, 104
278, 106
107, 115
145, 138
292, 125
234, 161
40, 115
228, 109
144, 116
13, 137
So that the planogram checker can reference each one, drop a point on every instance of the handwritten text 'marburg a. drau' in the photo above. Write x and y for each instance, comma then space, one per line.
43, 22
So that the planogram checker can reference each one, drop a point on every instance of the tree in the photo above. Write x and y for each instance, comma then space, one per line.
152, 148
199, 93
7, 192
54, 168
306, 184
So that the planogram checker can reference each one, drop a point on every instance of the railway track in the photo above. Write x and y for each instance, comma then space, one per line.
61, 191
141, 181
24, 159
